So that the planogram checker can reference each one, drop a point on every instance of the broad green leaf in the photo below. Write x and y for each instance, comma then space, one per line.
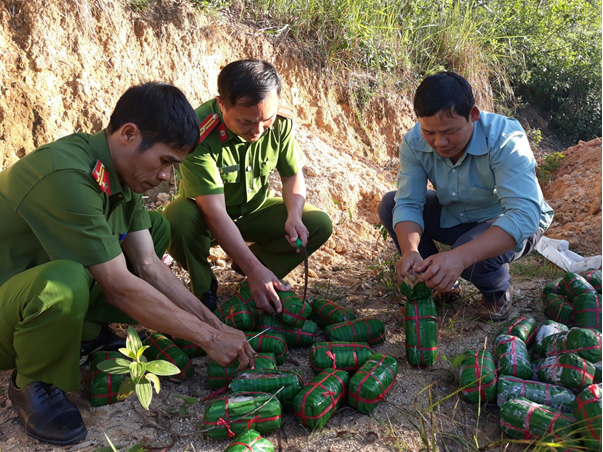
133, 341
138, 369
127, 352
141, 350
115, 366
126, 389
144, 392
155, 380
163, 368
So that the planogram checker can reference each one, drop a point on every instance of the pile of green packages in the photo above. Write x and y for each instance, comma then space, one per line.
371, 382
227, 416
316, 403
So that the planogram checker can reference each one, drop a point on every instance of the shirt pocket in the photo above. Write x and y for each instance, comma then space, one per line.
230, 174
265, 167
477, 196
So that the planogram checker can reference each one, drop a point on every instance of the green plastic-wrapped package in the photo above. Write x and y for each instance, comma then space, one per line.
548, 328
522, 327
555, 396
104, 387
348, 356
191, 349
369, 330
598, 372
573, 285
371, 382
239, 316
581, 341
219, 376
478, 376
325, 312
294, 336
421, 327
414, 289
558, 308
568, 370
269, 342
295, 310
160, 347
250, 441
512, 357
524, 419
587, 409
244, 297
317, 402
593, 277
233, 414
587, 311
270, 381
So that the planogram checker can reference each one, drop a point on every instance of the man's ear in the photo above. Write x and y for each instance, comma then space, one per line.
128, 133
474, 114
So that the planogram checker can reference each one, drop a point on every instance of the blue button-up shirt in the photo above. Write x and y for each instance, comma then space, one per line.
494, 178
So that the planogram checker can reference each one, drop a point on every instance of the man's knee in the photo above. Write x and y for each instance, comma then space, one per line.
386, 207
182, 215
319, 225
64, 285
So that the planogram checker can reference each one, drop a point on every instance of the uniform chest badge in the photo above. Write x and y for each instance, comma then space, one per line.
101, 177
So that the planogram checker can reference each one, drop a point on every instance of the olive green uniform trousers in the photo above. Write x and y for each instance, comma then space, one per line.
46, 310
265, 227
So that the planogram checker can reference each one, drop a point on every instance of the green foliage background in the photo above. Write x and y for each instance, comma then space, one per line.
546, 53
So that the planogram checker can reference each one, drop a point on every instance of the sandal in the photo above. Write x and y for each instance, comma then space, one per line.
450, 296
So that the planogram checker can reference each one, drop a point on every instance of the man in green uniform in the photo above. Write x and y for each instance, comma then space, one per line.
224, 195
72, 226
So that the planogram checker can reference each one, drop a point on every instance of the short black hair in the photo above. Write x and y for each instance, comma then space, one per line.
247, 82
445, 91
162, 114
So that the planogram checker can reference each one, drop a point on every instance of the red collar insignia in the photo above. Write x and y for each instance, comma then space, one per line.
101, 177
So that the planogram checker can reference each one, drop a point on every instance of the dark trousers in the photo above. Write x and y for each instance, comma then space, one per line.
490, 276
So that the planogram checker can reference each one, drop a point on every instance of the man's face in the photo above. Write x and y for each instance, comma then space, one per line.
250, 122
143, 171
448, 133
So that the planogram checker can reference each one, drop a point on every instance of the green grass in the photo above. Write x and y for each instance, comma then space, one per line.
535, 267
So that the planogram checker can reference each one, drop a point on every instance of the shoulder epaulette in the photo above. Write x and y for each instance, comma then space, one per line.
285, 112
207, 125
101, 177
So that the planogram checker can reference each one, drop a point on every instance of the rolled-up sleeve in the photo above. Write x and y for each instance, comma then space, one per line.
412, 187
513, 165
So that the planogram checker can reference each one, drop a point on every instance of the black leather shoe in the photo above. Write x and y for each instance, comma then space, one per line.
47, 413
210, 298
105, 340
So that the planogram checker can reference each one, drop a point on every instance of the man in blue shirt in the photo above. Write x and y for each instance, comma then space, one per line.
487, 204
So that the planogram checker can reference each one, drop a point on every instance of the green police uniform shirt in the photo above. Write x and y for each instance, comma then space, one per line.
52, 207
223, 163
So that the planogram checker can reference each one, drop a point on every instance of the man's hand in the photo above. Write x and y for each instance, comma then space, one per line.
408, 263
442, 270
263, 285
228, 346
295, 228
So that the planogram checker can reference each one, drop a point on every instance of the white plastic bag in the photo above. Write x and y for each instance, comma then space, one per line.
557, 251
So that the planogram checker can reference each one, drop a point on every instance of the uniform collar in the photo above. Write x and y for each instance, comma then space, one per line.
100, 150
477, 143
